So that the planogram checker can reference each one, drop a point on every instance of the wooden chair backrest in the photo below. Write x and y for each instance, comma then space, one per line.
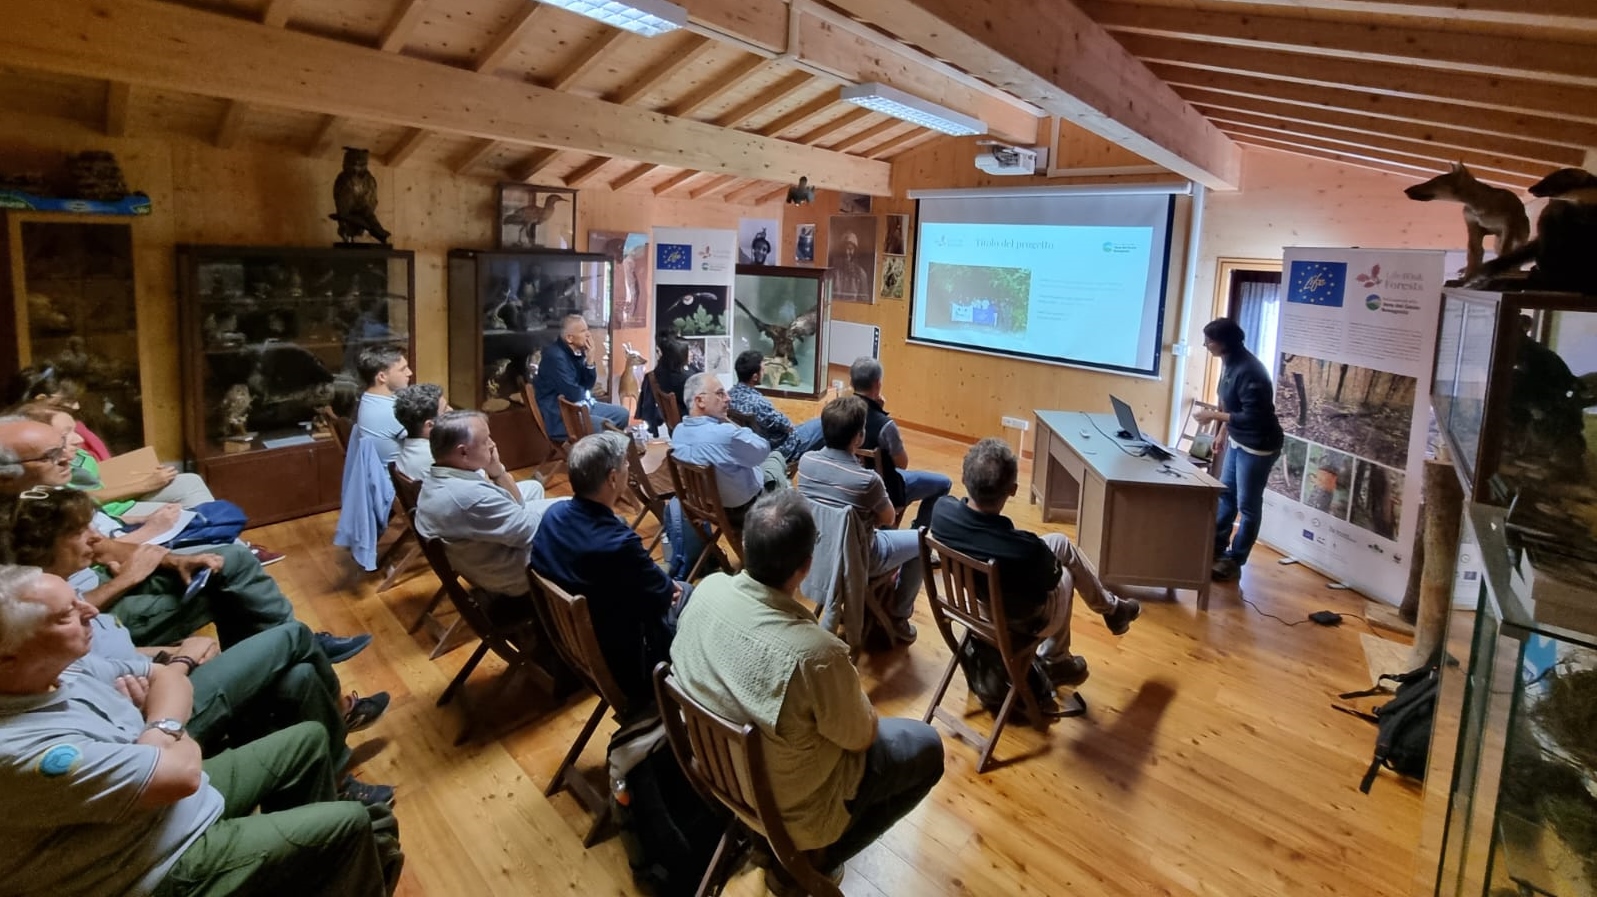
741, 419
726, 763
406, 490
343, 428
505, 639
972, 595
568, 620
577, 418
666, 400
871, 459
530, 396
701, 499
1191, 429
638, 478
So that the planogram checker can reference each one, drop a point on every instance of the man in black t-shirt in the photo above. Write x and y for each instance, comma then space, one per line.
1033, 570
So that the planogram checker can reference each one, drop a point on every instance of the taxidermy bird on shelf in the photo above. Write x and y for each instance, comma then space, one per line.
355, 198
801, 193
530, 216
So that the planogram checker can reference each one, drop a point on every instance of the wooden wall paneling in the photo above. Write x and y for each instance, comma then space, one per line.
118, 97
1388, 159
1242, 123
1569, 17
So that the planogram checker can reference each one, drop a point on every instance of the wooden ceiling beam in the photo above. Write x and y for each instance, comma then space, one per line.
864, 137
678, 180
695, 48
473, 156
847, 119
402, 152
1069, 66
326, 138
507, 40
773, 95
118, 100
1346, 141
1540, 59
1565, 132
1391, 79
713, 185
399, 29
748, 191
1214, 103
529, 167
172, 47
586, 172
802, 114
1564, 16
772, 196
588, 60
276, 13
895, 145
231, 125
632, 175
718, 86
1420, 167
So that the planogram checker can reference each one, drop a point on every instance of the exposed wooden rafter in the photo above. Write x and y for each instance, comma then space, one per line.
714, 184
693, 49
782, 90
866, 136
678, 180
748, 191
231, 126
895, 145
414, 139
326, 138
507, 40
1392, 163
276, 13
118, 100
1566, 16
588, 60
632, 176
586, 172
399, 29
802, 114
1242, 124
473, 156
718, 86
847, 119
529, 167
772, 196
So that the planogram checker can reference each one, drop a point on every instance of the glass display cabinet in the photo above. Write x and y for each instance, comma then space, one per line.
782, 313
72, 295
1522, 795
505, 308
270, 336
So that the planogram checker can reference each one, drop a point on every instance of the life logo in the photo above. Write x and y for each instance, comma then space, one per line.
1370, 280
1317, 283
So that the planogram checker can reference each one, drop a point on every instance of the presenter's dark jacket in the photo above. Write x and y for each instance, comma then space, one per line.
584, 548
1027, 568
562, 372
1246, 395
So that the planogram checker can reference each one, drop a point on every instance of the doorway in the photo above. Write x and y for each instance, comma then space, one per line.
1247, 291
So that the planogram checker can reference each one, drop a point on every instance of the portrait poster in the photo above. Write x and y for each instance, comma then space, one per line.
851, 256
757, 241
804, 244
893, 240
630, 283
693, 272
530, 216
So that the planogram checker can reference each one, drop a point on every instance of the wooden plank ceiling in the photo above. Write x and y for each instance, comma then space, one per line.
746, 98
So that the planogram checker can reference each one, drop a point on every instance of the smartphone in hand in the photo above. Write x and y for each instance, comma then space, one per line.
197, 582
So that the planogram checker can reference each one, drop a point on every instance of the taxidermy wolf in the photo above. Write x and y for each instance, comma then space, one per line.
1565, 248
1487, 210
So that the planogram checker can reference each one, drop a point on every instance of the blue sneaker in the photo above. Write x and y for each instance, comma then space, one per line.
340, 649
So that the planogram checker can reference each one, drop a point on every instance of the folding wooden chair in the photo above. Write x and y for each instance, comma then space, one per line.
341, 427
861, 616
1193, 433
652, 491
667, 401
407, 492
726, 764
404, 488
571, 628
700, 499
743, 420
972, 598
556, 460
872, 459
514, 633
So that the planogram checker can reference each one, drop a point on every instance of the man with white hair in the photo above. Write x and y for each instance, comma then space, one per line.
567, 371
102, 791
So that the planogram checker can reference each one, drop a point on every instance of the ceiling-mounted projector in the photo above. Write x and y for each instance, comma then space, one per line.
1002, 159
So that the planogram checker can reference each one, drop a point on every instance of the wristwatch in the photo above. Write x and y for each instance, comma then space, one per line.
168, 726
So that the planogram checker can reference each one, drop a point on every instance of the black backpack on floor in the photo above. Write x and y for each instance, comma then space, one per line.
667, 829
1403, 724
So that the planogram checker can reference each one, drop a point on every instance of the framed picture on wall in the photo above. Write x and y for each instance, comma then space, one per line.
531, 216
630, 255
892, 277
804, 244
851, 256
782, 313
893, 241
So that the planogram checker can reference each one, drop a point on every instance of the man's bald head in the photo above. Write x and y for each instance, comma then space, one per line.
32, 454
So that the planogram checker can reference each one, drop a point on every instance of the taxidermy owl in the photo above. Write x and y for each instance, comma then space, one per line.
800, 193
355, 198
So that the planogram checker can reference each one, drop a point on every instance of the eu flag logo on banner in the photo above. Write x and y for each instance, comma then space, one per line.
1317, 283
674, 257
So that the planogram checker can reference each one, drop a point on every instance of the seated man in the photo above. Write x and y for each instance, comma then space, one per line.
385, 371
749, 650
567, 371
104, 792
147, 590
833, 475
746, 399
881, 432
415, 408
744, 464
583, 547
470, 502
1037, 596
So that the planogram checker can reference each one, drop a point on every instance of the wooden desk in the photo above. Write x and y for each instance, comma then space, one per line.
1139, 522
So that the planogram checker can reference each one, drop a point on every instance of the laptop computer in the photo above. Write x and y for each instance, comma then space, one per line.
1130, 432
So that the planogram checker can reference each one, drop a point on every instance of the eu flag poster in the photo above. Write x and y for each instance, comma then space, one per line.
1317, 283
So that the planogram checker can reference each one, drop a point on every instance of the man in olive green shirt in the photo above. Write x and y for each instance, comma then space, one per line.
747, 649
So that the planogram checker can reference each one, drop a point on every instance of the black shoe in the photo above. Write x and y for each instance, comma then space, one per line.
1066, 672
1225, 570
339, 649
1119, 619
365, 711
352, 788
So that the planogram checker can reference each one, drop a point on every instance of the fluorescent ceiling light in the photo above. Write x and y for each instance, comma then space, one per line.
645, 17
891, 101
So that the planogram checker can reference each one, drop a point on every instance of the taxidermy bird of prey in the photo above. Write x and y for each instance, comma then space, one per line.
783, 338
800, 193
355, 198
530, 216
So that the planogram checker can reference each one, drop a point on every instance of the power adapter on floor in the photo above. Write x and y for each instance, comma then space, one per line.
1326, 617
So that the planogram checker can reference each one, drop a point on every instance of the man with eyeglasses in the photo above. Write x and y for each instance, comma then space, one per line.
144, 585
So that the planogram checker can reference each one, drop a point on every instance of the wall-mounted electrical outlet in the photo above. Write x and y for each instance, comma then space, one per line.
1016, 423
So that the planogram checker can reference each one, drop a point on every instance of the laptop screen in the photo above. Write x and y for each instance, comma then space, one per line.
1128, 421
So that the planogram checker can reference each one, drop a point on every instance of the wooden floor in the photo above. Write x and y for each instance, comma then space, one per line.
1211, 761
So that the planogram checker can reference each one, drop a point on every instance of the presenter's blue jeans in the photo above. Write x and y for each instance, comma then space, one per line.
1244, 476
925, 487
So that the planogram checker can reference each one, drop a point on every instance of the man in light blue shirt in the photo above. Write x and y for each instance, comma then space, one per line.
385, 371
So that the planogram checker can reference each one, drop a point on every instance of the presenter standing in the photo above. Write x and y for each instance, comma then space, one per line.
1253, 440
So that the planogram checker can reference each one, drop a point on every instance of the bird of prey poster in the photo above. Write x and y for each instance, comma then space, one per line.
781, 313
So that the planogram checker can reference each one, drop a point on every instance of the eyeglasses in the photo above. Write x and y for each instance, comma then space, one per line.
53, 456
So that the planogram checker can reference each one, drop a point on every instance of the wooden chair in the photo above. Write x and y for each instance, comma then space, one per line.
571, 628
341, 427
1191, 430
743, 420
872, 459
652, 491
404, 488
556, 461
667, 401
726, 764
971, 598
407, 492
515, 634
860, 616
577, 418
700, 498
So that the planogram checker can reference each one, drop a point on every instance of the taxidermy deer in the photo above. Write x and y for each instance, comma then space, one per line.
1487, 210
1566, 236
629, 387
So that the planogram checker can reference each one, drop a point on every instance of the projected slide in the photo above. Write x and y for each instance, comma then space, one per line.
1067, 292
